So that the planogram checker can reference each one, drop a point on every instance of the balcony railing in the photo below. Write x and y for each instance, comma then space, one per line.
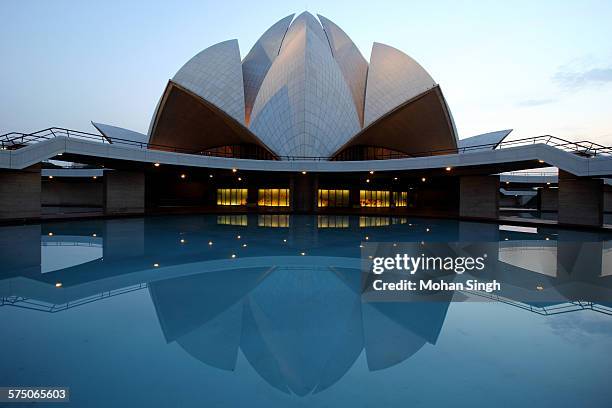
16, 140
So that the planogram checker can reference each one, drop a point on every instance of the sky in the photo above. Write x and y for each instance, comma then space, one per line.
538, 67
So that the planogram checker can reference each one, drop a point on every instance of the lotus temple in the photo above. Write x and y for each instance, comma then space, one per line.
303, 124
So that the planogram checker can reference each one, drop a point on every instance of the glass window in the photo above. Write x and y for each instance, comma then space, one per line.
273, 197
232, 196
400, 198
370, 198
333, 198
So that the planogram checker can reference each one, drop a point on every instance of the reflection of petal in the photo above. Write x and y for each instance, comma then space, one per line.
302, 320
216, 342
186, 303
394, 331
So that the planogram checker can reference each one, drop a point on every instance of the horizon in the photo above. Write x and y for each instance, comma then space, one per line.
499, 66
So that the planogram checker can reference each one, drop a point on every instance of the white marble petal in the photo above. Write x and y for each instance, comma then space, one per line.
304, 107
352, 64
258, 61
393, 78
215, 75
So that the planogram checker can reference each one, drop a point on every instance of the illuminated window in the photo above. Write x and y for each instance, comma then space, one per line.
373, 221
369, 198
333, 198
273, 197
400, 198
231, 196
273, 220
240, 220
333, 221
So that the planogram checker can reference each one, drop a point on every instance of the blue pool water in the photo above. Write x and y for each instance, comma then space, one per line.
230, 310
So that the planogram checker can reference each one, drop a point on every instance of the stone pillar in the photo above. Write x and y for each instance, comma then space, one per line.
548, 199
304, 193
580, 200
124, 192
20, 193
479, 196
607, 206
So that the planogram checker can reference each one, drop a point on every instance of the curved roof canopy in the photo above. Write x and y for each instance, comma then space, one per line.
304, 90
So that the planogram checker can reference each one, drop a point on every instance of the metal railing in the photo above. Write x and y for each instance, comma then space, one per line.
32, 304
16, 140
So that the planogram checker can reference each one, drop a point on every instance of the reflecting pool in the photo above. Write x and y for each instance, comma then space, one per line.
268, 310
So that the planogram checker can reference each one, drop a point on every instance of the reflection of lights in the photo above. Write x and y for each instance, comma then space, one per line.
360, 245
370, 256
50, 177
548, 183
94, 235
448, 169
58, 284
548, 239
94, 177
540, 161
233, 255
505, 239
156, 164
244, 245
507, 182
303, 172
540, 287
156, 265
50, 234
302, 253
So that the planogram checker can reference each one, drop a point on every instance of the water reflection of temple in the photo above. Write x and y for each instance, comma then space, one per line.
215, 306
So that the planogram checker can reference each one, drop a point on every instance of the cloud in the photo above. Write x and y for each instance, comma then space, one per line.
535, 102
582, 79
